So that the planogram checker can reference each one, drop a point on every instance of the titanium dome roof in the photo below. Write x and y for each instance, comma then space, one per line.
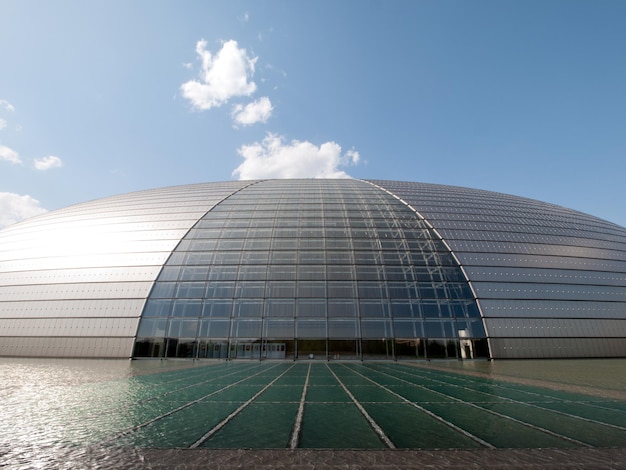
322, 269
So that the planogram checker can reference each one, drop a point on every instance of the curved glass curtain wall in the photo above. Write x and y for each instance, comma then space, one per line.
311, 269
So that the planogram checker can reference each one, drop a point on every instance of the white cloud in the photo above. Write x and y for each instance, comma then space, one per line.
3, 123
46, 163
14, 208
257, 111
223, 76
9, 155
6, 105
272, 158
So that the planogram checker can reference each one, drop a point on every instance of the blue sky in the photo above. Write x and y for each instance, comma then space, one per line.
523, 97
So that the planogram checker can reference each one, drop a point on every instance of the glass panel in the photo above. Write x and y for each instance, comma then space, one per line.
399, 273
249, 308
194, 273
187, 308
198, 258
223, 273
311, 329
158, 308
311, 272
217, 308
402, 309
224, 257
311, 257
311, 308
430, 310
285, 244
339, 257
183, 328
231, 244
372, 290
218, 329
190, 290
258, 244
220, 290
284, 257
312, 289
281, 289
162, 290
427, 291
170, 273
278, 328
376, 329
339, 273
280, 308
366, 273
433, 329
338, 289
282, 272
251, 289
252, 272
310, 243
343, 329
152, 327
374, 309
407, 329
246, 328
342, 308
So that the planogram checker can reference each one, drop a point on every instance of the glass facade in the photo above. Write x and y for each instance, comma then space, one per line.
328, 269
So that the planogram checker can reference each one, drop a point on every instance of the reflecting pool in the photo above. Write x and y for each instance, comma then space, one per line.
99, 413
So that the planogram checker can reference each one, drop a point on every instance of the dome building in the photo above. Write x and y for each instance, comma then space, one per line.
313, 269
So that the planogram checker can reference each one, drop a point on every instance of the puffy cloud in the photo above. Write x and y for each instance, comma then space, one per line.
46, 163
9, 155
14, 208
6, 105
3, 123
222, 77
272, 158
257, 111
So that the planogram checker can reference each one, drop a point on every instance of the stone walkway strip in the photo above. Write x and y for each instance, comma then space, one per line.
381, 434
295, 434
